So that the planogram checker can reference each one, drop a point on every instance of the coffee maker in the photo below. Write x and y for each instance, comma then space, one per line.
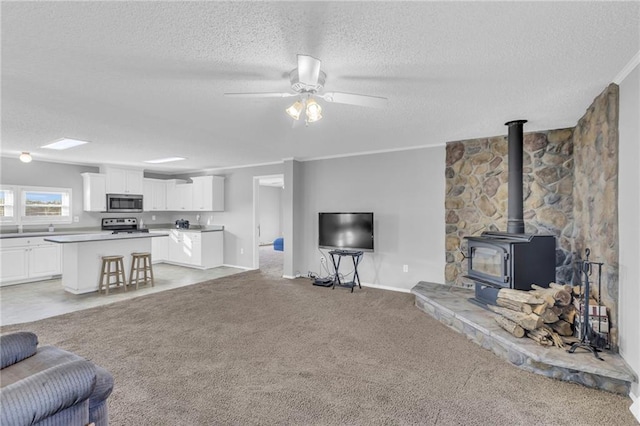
182, 224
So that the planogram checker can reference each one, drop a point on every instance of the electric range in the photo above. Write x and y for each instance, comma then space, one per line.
122, 225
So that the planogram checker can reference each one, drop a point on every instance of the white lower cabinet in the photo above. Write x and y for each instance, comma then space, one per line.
14, 264
202, 250
159, 249
28, 259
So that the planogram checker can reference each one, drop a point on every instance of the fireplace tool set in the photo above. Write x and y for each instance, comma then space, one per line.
589, 339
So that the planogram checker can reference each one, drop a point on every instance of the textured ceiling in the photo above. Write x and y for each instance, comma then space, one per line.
145, 80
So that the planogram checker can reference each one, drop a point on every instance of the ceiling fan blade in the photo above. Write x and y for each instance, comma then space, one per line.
261, 95
355, 99
308, 69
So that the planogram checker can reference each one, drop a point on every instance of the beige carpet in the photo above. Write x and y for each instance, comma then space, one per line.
255, 349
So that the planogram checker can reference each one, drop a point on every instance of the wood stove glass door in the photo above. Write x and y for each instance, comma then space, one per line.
489, 262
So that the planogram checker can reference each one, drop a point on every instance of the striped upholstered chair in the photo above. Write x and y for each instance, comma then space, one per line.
49, 386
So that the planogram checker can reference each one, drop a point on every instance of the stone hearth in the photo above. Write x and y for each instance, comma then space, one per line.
451, 306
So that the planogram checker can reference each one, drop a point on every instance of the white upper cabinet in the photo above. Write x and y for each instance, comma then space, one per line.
123, 181
94, 187
154, 195
173, 199
208, 193
184, 192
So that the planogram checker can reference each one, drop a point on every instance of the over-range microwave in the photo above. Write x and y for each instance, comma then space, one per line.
124, 203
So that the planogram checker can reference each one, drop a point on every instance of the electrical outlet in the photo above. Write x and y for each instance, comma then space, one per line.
323, 260
76, 219
405, 268
241, 251
153, 217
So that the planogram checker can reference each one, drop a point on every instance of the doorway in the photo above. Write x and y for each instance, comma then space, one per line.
268, 227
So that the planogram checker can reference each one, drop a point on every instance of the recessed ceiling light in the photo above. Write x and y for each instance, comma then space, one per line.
64, 143
165, 160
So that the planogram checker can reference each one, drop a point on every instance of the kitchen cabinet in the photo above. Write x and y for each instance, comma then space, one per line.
25, 259
159, 248
14, 265
184, 195
197, 249
173, 202
208, 193
94, 192
123, 181
154, 195
185, 248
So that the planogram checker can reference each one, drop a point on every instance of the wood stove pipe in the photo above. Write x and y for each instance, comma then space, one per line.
515, 222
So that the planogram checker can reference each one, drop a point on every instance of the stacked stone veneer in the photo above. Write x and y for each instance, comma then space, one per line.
570, 189
477, 194
595, 207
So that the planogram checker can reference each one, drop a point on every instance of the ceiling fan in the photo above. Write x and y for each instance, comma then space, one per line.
307, 82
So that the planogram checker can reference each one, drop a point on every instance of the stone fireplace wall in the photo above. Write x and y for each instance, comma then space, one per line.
595, 208
570, 189
476, 194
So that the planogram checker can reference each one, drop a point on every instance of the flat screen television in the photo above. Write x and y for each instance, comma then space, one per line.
345, 231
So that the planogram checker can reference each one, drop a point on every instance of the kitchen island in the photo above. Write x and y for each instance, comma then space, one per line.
81, 256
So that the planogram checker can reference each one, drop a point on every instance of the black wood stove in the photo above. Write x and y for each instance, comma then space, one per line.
502, 260
511, 259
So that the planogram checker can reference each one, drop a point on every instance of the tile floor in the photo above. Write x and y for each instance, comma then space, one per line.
43, 299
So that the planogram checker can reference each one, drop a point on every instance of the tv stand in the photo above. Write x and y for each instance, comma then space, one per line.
356, 257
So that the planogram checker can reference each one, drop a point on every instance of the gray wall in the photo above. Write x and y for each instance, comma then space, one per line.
238, 215
270, 211
628, 208
42, 173
405, 190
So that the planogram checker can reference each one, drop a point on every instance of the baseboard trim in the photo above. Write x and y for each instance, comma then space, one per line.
635, 407
246, 268
386, 287
290, 277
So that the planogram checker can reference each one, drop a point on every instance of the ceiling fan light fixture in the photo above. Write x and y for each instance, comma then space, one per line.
25, 157
295, 110
314, 111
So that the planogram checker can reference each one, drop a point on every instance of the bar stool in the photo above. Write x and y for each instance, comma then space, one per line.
107, 273
141, 265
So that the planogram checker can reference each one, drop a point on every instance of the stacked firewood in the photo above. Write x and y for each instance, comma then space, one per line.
545, 315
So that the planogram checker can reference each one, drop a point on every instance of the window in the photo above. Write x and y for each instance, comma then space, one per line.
7, 214
45, 205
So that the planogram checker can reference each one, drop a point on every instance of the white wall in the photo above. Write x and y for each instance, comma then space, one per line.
404, 190
270, 210
628, 215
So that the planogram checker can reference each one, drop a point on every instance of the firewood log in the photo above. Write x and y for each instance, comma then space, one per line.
569, 314
526, 321
541, 336
565, 287
520, 296
557, 309
514, 306
576, 290
555, 337
549, 316
539, 309
510, 326
561, 297
562, 327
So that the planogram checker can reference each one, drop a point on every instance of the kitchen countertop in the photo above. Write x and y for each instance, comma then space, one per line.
208, 229
42, 234
212, 228
84, 238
